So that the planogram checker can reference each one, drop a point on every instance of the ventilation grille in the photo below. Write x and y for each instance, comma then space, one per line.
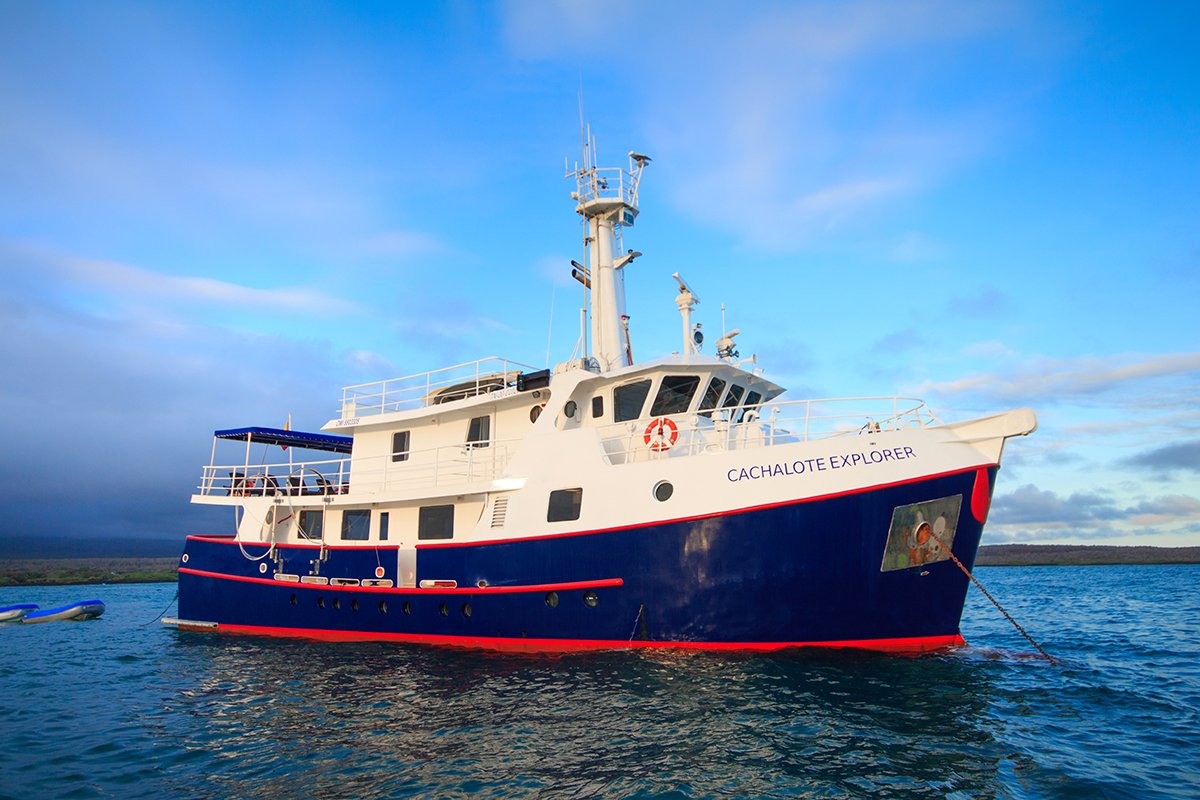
499, 511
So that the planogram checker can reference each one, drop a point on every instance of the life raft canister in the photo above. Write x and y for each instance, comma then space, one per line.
661, 433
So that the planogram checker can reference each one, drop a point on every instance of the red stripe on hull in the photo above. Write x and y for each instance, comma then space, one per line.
921, 644
729, 513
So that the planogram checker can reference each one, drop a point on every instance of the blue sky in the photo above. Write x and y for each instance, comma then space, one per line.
217, 214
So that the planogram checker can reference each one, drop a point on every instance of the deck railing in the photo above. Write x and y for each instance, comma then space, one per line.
437, 386
450, 465
762, 425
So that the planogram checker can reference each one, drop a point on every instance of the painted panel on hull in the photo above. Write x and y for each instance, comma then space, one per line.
921, 533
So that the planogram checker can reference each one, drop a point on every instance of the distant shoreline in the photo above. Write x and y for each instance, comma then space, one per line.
73, 571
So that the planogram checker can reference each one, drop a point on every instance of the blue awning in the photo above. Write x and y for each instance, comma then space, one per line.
278, 436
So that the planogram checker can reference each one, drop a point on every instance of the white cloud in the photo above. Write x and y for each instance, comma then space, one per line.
1048, 380
123, 282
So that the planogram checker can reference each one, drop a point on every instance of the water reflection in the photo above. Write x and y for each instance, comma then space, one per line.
291, 718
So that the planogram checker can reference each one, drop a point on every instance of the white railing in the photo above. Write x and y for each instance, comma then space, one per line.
331, 476
763, 425
451, 465
607, 183
444, 385
424, 469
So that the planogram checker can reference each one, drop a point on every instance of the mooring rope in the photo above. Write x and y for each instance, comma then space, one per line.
156, 619
995, 602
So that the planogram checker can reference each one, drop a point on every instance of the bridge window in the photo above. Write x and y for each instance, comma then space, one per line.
734, 397
400, 446
752, 399
712, 396
356, 525
674, 394
629, 400
311, 524
564, 505
479, 434
435, 522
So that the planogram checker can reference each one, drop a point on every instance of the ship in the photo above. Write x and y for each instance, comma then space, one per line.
602, 503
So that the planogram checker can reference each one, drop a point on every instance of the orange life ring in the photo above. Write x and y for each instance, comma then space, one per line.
661, 433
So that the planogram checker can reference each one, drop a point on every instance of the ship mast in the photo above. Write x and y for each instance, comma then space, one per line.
607, 200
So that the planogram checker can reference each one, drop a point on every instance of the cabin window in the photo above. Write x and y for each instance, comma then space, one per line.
479, 434
674, 394
752, 399
356, 525
629, 400
311, 524
400, 446
597, 406
734, 397
712, 396
436, 522
383, 526
564, 505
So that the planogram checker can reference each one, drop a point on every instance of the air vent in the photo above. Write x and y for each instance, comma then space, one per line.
499, 511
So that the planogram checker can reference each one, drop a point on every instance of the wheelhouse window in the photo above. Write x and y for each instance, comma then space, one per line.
479, 433
311, 524
629, 400
674, 394
435, 522
712, 396
734, 396
750, 409
564, 505
400, 446
356, 525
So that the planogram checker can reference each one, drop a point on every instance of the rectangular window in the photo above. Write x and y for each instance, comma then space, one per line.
712, 396
400, 446
564, 505
435, 522
356, 525
383, 526
311, 524
629, 400
597, 406
674, 394
479, 434
734, 397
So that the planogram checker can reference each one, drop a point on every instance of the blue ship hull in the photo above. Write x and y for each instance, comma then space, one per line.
791, 574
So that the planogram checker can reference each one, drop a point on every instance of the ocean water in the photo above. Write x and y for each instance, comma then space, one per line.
123, 707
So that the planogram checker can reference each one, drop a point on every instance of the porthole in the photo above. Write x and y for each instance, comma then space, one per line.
444, 610
337, 602
552, 599
663, 491
354, 605
383, 606
570, 408
534, 413
466, 609
320, 602
262, 568
407, 607
293, 599
590, 599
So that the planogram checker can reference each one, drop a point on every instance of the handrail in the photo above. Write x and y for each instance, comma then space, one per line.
437, 466
469, 379
764, 425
